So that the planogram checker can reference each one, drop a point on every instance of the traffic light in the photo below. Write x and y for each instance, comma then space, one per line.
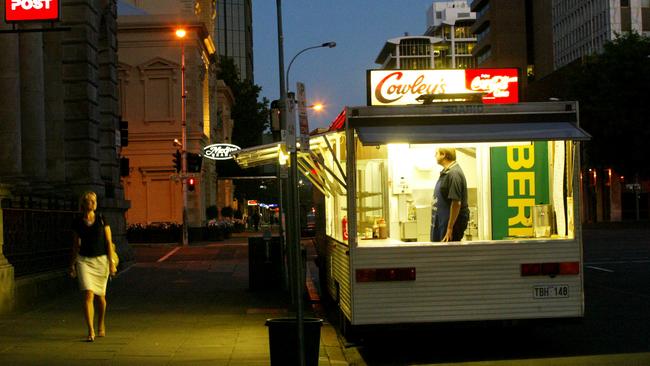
194, 162
177, 161
191, 183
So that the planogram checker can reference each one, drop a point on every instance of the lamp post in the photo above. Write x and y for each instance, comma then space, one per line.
322, 45
288, 127
180, 34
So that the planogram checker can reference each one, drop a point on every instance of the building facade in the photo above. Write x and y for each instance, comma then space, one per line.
515, 34
582, 27
235, 34
150, 78
60, 128
450, 23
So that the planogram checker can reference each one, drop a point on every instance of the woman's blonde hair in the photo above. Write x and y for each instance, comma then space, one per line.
84, 197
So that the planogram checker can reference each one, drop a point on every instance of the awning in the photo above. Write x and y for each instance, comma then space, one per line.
467, 123
312, 163
494, 132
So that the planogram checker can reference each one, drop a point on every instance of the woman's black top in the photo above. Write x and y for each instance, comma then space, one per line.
93, 239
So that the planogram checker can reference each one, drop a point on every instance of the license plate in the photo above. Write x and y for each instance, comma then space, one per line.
550, 291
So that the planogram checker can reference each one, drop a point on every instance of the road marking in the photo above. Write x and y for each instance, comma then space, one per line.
600, 269
168, 254
625, 261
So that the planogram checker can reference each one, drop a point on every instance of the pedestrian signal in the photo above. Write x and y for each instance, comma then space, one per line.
191, 183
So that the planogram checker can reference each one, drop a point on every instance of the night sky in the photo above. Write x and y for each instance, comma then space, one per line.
333, 76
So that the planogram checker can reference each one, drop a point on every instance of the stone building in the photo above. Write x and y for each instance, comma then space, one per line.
149, 75
59, 127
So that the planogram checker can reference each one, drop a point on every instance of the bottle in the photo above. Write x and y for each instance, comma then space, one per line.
344, 224
383, 230
375, 230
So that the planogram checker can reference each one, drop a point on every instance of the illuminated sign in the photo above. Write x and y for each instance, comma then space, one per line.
220, 151
251, 202
27, 10
401, 87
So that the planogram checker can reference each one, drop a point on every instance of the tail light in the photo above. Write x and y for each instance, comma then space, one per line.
385, 274
550, 269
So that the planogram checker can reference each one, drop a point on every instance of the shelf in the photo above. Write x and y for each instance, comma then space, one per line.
368, 194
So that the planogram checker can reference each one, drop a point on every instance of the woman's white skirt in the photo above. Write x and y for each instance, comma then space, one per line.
92, 273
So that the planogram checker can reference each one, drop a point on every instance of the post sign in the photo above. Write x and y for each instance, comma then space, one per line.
401, 87
31, 10
220, 151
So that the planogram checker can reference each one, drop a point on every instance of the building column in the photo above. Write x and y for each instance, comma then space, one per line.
7, 280
81, 113
10, 131
32, 107
54, 124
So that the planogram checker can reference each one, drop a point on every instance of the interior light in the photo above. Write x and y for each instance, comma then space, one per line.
181, 32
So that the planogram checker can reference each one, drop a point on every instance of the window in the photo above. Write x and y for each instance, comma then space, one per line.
625, 3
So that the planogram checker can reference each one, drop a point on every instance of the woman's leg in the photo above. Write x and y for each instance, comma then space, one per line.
89, 313
101, 315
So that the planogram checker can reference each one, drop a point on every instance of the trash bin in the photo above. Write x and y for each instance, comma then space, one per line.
265, 264
283, 341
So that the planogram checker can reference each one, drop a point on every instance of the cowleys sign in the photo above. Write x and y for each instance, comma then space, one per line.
32, 10
401, 87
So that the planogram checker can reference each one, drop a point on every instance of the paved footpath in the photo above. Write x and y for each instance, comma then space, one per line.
191, 307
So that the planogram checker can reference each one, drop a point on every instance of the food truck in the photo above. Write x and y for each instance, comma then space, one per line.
521, 256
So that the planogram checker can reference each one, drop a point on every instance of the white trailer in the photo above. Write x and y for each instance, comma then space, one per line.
521, 257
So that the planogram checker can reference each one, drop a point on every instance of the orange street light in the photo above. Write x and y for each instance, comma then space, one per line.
181, 32
317, 107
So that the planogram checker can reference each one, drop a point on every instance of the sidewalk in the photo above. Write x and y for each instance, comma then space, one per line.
191, 307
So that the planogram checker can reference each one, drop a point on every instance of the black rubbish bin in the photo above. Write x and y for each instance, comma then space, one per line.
265, 264
283, 341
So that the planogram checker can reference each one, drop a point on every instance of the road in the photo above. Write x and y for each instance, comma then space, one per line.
616, 327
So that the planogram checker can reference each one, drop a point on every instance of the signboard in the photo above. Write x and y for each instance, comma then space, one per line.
220, 151
303, 122
30, 10
402, 87
519, 180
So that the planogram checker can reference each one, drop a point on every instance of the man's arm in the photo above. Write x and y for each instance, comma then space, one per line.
454, 210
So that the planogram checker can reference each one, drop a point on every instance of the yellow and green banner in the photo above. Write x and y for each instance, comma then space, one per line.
519, 177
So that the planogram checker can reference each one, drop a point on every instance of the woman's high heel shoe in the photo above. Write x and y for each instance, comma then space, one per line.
91, 338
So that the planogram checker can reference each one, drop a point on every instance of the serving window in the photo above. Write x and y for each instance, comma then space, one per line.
517, 190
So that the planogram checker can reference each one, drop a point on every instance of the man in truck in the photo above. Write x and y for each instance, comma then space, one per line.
449, 210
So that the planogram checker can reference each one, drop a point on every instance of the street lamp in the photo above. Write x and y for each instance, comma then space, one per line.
326, 44
180, 34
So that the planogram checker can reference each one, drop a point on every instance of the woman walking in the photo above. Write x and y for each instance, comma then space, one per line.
91, 261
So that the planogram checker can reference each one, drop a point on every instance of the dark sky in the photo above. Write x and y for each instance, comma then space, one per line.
333, 76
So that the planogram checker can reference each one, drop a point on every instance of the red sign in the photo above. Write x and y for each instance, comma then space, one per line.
402, 87
499, 85
22, 10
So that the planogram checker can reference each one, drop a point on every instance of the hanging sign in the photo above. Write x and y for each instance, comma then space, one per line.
30, 10
220, 151
401, 87
303, 121
519, 180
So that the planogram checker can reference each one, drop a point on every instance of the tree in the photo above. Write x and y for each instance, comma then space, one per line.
251, 121
250, 115
613, 89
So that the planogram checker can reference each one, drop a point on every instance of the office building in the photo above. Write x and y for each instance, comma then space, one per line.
450, 22
235, 34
